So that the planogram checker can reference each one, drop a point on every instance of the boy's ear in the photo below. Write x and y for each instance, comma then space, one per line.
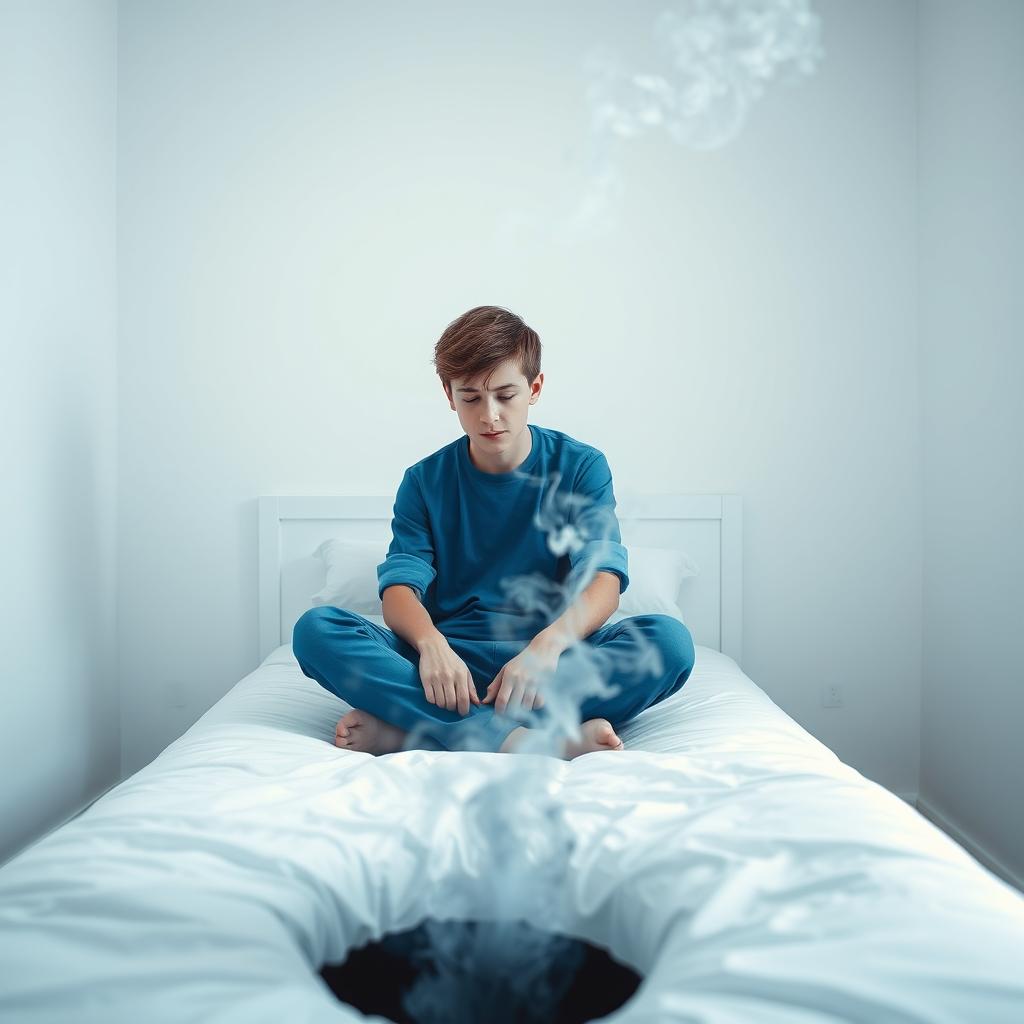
448, 395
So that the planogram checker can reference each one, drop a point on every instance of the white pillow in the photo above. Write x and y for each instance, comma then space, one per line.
351, 578
351, 581
654, 578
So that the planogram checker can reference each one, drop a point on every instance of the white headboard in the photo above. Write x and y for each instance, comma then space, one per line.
708, 527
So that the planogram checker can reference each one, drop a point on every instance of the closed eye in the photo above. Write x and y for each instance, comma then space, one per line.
501, 398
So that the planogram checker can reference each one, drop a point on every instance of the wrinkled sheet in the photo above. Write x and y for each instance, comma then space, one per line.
727, 855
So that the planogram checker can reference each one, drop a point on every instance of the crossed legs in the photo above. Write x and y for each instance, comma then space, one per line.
645, 658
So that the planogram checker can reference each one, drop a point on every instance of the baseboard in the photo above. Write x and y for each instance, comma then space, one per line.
974, 849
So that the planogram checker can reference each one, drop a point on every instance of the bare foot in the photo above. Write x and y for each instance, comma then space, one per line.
359, 730
597, 734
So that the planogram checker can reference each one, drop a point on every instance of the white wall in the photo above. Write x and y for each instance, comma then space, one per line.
972, 330
60, 727
309, 193
305, 200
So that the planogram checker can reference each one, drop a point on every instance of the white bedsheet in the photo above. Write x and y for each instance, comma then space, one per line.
726, 854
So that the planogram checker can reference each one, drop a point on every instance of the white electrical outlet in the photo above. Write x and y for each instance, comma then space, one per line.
832, 696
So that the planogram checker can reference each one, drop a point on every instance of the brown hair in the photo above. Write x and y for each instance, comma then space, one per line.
482, 339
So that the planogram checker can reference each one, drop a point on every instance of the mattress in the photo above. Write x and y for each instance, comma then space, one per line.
728, 856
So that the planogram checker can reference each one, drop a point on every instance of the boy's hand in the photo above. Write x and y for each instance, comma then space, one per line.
516, 684
446, 680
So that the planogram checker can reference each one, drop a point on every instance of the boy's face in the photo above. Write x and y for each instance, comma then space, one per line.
499, 404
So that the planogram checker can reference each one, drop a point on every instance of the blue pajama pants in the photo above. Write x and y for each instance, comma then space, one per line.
375, 670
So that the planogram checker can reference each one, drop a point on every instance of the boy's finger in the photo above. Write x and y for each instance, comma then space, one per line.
515, 699
501, 701
492, 689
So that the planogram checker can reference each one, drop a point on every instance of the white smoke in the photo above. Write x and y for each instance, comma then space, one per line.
710, 61
716, 58
501, 969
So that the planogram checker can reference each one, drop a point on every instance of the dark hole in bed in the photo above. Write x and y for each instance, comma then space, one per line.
582, 981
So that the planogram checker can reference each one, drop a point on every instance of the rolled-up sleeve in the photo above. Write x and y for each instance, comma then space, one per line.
410, 558
598, 525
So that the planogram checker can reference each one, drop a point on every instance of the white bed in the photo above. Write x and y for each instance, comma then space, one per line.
727, 855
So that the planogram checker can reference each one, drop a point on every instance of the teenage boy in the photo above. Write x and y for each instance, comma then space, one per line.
460, 663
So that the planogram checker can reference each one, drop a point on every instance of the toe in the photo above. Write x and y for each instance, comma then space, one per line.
609, 739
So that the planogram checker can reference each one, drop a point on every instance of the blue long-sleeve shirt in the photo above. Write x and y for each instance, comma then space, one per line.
498, 556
